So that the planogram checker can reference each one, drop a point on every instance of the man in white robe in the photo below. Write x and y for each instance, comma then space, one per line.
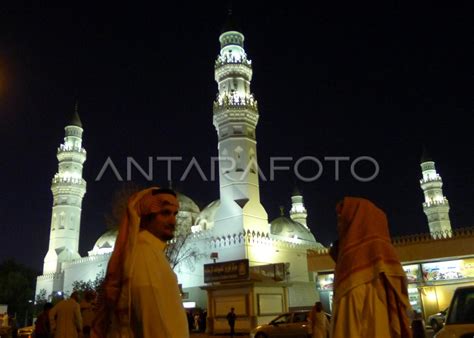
141, 298
65, 318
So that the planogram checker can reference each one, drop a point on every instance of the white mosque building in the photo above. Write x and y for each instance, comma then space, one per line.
234, 227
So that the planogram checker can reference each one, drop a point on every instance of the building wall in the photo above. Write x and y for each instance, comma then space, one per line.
84, 269
422, 248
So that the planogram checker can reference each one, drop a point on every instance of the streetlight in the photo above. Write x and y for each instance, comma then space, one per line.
26, 314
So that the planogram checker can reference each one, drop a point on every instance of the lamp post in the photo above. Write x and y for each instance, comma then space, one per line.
26, 314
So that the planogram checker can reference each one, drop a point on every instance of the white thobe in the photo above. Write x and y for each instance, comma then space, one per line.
362, 313
65, 318
157, 308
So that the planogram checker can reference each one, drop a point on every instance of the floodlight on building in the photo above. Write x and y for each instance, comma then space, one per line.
214, 256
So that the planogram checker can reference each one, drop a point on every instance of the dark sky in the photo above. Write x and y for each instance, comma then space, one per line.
330, 81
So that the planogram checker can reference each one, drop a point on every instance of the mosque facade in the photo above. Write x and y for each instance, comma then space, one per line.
233, 228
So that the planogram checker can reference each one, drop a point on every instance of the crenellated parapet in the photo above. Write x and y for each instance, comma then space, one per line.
429, 179
434, 236
228, 102
65, 153
443, 201
51, 276
88, 259
258, 238
68, 185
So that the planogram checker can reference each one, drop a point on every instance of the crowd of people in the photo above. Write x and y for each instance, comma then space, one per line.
140, 296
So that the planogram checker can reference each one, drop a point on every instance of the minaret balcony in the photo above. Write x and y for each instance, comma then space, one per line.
225, 60
63, 181
429, 179
434, 203
235, 103
66, 148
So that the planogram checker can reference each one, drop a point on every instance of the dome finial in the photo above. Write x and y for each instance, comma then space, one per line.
231, 23
425, 157
76, 120
282, 210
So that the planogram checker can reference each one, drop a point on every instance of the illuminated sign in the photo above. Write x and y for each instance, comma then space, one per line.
448, 270
225, 271
413, 272
325, 281
268, 272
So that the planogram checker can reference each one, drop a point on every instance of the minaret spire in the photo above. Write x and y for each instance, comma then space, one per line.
436, 205
68, 188
235, 118
298, 211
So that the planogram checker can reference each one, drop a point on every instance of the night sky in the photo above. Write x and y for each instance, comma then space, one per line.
330, 81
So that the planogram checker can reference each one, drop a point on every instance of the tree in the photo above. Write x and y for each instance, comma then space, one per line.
118, 204
180, 249
17, 289
91, 285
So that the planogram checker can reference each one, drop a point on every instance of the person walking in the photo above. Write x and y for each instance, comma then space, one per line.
140, 296
88, 312
65, 318
42, 324
370, 291
319, 321
418, 325
231, 316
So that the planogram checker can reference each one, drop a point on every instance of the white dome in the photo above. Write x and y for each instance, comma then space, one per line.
105, 243
290, 230
188, 211
187, 204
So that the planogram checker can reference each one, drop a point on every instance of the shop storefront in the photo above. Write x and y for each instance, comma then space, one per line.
324, 286
430, 284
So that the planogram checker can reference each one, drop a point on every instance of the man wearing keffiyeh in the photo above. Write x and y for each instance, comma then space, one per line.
140, 297
370, 287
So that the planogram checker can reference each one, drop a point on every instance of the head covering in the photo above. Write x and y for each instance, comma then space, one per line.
366, 253
114, 297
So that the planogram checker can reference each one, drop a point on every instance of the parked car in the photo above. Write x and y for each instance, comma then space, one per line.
460, 317
437, 320
26, 332
291, 324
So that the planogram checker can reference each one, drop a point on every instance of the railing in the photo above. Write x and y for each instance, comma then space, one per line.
431, 179
65, 148
226, 101
435, 202
224, 60
68, 180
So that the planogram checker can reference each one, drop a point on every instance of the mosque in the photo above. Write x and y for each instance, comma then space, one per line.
234, 228
243, 260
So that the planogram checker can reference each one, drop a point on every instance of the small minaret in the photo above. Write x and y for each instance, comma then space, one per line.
436, 206
68, 188
298, 212
235, 119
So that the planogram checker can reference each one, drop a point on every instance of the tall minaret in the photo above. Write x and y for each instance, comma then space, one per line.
68, 189
436, 206
235, 118
298, 211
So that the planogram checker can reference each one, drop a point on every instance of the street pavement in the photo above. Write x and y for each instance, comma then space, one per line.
429, 334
